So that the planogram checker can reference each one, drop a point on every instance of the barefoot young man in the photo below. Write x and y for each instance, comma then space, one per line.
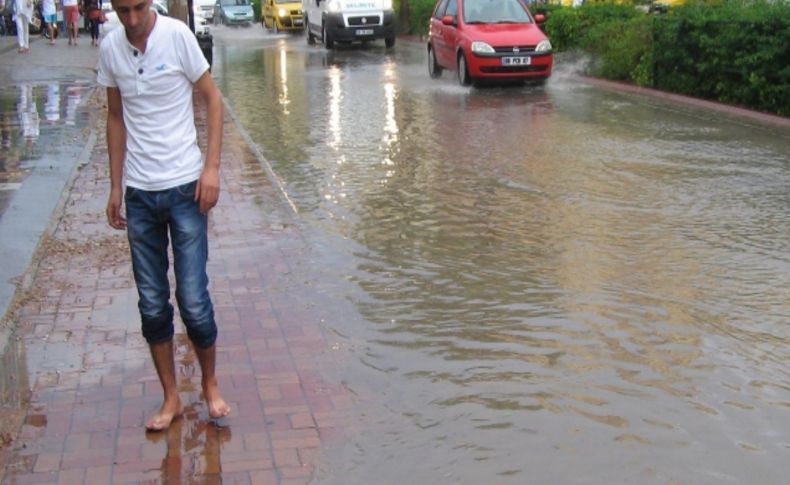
150, 68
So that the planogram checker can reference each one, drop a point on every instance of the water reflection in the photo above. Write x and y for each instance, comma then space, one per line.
194, 444
52, 105
541, 276
284, 101
23, 139
335, 97
28, 115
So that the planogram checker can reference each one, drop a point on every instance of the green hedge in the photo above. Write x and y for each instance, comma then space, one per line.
256, 9
736, 53
731, 51
419, 16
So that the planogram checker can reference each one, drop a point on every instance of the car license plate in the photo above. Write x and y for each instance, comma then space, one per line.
297, 21
517, 61
364, 32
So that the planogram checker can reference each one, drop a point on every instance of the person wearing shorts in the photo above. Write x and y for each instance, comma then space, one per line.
71, 14
49, 14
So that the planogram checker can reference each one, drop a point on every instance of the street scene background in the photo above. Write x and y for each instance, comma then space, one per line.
500, 285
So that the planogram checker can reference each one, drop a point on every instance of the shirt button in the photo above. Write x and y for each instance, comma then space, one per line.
135, 53
140, 71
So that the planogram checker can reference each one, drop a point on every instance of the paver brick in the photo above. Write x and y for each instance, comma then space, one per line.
269, 358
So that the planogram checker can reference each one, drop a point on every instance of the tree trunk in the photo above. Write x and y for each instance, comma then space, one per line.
403, 17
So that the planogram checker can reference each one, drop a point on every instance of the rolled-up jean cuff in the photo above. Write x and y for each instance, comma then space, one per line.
159, 328
202, 332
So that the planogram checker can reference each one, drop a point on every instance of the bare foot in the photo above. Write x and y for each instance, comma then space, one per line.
165, 416
217, 407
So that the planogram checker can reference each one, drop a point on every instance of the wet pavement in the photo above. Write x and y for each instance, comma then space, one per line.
592, 290
538, 282
78, 348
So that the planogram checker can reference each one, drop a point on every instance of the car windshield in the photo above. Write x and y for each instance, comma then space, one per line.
233, 3
495, 12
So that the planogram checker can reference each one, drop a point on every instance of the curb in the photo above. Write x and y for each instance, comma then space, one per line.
767, 118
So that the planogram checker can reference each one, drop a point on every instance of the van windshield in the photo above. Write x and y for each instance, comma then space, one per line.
231, 3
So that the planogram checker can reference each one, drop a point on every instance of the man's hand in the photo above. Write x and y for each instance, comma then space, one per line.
207, 190
114, 217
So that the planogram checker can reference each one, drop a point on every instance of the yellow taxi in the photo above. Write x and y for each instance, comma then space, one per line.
282, 15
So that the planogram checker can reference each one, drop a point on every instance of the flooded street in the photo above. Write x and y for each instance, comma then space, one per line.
526, 284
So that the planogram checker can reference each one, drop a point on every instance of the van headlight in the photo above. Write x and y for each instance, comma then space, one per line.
387, 4
482, 48
543, 46
333, 6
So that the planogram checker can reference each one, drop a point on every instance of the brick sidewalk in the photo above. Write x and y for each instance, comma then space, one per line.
92, 381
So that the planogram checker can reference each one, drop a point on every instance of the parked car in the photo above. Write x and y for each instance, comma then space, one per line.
112, 22
233, 12
488, 39
282, 15
204, 8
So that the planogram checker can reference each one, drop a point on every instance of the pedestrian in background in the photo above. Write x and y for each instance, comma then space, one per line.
23, 17
92, 10
49, 15
2, 17
71, 15
150, 69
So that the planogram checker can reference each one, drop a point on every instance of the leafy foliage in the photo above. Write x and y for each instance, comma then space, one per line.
419, 15
732, 51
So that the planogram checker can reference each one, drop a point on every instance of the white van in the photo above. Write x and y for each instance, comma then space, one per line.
349, 20
204, 8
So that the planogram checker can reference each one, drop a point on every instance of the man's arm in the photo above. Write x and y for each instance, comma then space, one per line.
207, 191
116, 149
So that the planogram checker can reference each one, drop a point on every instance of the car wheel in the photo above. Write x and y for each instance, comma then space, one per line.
389, 42
434, 69
329, 42
463, 71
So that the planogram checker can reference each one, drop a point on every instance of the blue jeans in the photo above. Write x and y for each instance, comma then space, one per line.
150, 215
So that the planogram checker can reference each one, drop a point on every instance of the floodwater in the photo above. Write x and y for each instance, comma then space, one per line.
38, 122
532, 285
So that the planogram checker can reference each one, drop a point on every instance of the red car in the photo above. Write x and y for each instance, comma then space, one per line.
488, 39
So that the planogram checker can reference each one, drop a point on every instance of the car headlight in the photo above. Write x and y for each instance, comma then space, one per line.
333, 6
387, 4
482, 48
543, 46
282, 12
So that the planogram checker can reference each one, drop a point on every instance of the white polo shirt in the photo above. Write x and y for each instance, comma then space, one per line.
156, 90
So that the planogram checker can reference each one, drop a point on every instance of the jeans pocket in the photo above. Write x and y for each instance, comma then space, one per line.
187, 191
130, 193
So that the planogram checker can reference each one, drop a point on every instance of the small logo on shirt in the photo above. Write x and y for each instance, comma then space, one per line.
160, 67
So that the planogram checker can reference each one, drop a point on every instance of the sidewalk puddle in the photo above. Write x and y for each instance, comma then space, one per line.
14, 392
36, 120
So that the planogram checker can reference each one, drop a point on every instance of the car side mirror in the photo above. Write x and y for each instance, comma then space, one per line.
448, 20
540, 18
